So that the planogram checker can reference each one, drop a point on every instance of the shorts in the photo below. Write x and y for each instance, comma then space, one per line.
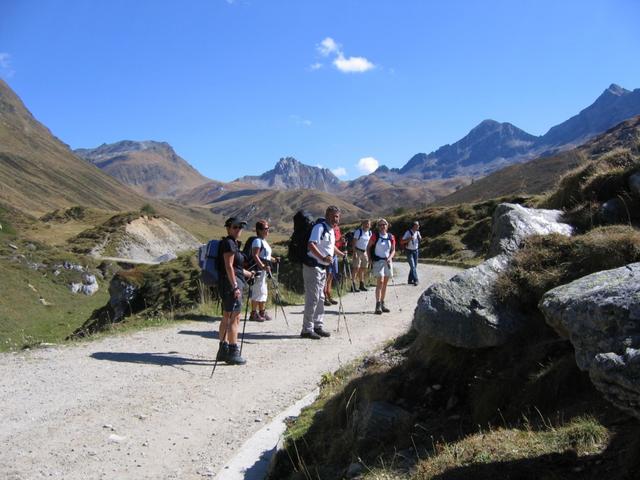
382, 269
360, 260
333, 268
229, 302
259, 288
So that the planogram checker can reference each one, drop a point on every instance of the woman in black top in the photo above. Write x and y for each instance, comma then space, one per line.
232, 283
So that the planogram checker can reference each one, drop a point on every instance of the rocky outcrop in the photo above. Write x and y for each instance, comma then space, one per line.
463, 311
512, 223
600, 315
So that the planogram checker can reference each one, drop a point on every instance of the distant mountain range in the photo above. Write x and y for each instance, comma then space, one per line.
151, 168
492, 145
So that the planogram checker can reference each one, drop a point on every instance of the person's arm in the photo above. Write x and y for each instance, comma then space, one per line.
227, 259
393, 248
255, 252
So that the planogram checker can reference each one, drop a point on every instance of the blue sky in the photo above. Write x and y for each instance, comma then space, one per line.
233, 85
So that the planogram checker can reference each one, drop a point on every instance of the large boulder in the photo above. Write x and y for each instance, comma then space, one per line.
600, 314
512, 223
463, 311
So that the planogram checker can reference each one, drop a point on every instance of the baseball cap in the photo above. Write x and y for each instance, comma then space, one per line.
229, 222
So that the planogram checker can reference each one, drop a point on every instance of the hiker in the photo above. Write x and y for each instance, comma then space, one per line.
411, 243
320, 252
360, 262
233, 278
333, 270
382, 248
262, 259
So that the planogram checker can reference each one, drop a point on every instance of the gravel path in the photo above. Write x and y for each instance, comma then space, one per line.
142, 405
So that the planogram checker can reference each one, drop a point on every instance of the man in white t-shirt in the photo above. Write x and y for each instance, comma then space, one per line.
320, 252
360, 258
411, 243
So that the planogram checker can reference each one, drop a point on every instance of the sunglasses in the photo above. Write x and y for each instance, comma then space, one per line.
383, 224
237, 227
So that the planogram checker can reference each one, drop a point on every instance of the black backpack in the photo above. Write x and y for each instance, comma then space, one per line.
303, 223
247, 251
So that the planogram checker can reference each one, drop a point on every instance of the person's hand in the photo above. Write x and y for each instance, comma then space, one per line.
237, 293
275, 259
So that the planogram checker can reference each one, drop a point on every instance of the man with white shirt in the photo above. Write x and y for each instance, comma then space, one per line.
411, 243
360, 262
320, 252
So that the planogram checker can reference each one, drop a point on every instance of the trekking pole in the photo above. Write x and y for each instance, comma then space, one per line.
341, 310
277, 280
215, 363
278, 298
393, 282
246, 314
348, 269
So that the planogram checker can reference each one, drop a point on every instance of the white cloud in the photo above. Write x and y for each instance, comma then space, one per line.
328, 46
300, 121
352, 64
5, 65
368, 164
339, 172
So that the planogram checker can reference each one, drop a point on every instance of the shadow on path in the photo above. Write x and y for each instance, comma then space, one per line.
163, 359
247, 335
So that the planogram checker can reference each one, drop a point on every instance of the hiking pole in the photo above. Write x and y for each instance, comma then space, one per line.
393, 282
341, 310
277, 279
278, 299
354, 289
246, 313
215, 363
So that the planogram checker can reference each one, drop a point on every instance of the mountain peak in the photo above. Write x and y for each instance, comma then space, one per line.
617, 90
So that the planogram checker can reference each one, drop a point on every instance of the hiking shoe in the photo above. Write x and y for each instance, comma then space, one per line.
312, 335
320, 331
332, 301
384, 308
265, 316
234, 358
353, 288
378, 309
363, 288
223, 352
255, 317
327, 302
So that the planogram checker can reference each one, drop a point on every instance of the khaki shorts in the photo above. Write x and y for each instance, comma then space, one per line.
360, 260
382, 269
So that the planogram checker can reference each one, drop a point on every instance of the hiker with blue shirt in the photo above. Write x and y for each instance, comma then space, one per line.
320, 253
411, 243
360, 262
262, 259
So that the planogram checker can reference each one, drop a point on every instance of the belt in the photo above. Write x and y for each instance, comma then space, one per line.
360, 249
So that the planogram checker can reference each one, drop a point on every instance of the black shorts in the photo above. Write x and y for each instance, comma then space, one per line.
229, 302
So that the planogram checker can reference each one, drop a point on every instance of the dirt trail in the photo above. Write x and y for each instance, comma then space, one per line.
142, 405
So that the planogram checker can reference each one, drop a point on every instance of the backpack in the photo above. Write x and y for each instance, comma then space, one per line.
403, 242
372, 253
303, 223
208, 261
247, 251
348, 239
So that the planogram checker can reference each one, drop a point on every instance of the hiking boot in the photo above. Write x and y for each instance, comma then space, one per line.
363, 288
378, 309
320, 331
384, 308
327, 302
234, 358
255, 317
332, 301
265, 316
312, 335
223, 351
353, 288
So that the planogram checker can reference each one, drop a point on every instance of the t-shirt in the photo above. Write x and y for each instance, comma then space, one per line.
325, 239
227, 245
265, 251
384, 244
414, 239
339, 239
362, 238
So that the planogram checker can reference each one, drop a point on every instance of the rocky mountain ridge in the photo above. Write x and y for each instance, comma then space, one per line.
151, 168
